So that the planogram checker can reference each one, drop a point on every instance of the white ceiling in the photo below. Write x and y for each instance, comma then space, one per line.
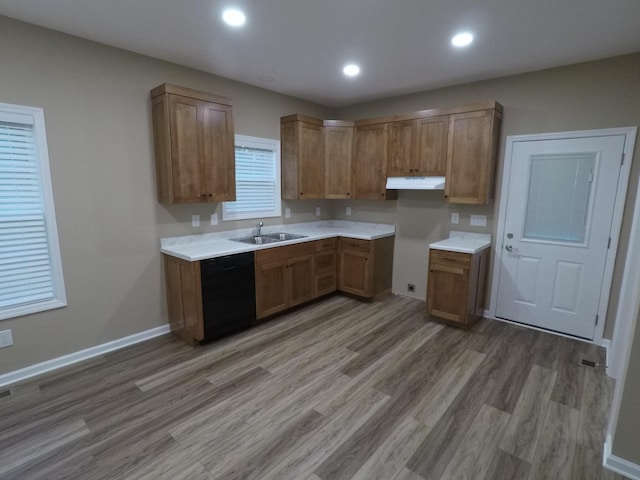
402, 46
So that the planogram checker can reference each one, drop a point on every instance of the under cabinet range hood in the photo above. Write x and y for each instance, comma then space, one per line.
415, 183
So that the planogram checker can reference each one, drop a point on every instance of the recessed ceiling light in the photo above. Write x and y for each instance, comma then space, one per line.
233, 17
351, 70
462, 39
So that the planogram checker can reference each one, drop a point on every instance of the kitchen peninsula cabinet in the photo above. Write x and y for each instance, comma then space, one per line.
471, 156
365, 266
338, 153
302, 157
370, 162
194, 145
456, 286
284, 278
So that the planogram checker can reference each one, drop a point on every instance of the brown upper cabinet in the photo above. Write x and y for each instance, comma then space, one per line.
338, 151
302, 157
459, 143
194, 145
418, 147
471, 156
369, 171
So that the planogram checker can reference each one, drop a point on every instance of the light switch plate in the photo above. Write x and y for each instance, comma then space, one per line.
318, 211
348, 211
6, 339
287, 213
195, 220
478, 221
455, 218
214, 219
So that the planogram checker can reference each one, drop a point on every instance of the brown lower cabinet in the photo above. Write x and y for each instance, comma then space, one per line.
285, 277
365, 266
184, 298
456, 286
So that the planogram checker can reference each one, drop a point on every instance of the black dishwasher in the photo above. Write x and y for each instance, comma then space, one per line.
228, 294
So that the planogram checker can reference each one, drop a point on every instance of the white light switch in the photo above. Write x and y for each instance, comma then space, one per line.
478, 221
195, 220
287, 213
348, 211
318, 211
6, 339
455, 218
214, 219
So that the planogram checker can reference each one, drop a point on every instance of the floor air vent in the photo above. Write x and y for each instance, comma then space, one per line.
5, 393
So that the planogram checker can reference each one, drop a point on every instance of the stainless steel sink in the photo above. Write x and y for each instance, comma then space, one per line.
268, 238
256, 240
281, 236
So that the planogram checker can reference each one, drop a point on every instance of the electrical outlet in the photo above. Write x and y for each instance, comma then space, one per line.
287, 213
318, 211
455, 218
214, 219
6, 339
348, 211
411, 288
195, 220
478, 221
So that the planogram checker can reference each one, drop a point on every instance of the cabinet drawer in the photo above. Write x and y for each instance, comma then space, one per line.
324, 262
326, 244
355, 244
325, 284
444, 257
279, 254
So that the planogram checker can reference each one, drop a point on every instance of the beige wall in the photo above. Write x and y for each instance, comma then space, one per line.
602, 94
97, 112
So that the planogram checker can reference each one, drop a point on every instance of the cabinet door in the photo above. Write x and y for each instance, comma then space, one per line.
300, 281
370, 162
447, 292
431, 146
218, 152
338, 149
470, 157
185, 118
354, 273
401, 147
271, 288
310, 161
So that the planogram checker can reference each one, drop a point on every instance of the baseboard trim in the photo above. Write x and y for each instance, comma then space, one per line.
618, 464
79, 356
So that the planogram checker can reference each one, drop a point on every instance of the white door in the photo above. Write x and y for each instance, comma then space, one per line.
558, 220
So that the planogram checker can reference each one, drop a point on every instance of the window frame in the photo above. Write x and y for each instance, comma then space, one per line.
258, 143
59, 291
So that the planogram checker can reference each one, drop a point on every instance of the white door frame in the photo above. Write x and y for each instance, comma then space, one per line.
623, 182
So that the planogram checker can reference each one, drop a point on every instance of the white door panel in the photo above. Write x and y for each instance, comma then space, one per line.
560, 206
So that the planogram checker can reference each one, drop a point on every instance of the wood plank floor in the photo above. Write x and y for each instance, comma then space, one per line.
340, 389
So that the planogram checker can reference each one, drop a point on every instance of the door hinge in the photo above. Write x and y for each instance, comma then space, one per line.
597, 319
609, 244
622, 159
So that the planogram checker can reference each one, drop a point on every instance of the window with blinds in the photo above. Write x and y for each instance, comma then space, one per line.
257, 180
30, 268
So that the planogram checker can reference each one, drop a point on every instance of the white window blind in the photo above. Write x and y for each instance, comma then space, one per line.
257, 180
30, 271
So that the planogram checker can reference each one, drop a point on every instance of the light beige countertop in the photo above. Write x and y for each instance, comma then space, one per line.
219, 244
463, 242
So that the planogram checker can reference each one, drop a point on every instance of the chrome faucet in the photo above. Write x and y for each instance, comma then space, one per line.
259, 226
